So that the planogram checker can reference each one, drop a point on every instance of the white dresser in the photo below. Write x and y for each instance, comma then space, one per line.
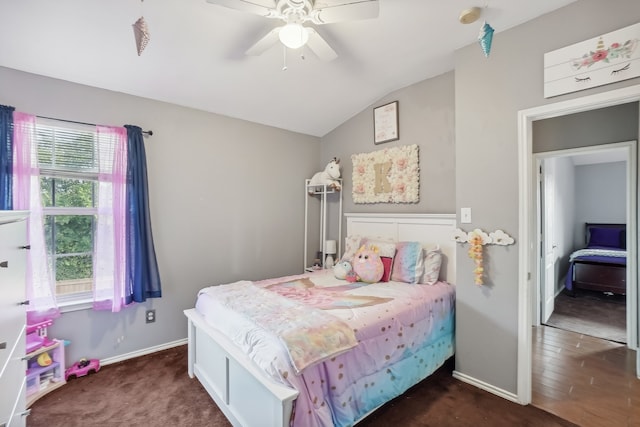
13, 242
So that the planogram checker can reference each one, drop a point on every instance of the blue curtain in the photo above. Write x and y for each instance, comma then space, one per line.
6, 157
143, 278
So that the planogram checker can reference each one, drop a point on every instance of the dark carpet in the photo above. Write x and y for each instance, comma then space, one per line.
591, 313
155, 390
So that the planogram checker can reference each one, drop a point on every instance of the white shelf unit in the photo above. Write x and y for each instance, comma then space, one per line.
322, 192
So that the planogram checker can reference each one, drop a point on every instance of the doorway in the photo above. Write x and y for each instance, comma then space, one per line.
528, 274
577, 187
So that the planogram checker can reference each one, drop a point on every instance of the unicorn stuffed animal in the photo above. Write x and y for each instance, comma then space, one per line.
329, 176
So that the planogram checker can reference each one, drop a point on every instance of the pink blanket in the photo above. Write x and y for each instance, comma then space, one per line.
309, 335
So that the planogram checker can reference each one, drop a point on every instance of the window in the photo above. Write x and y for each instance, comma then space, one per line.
68, 163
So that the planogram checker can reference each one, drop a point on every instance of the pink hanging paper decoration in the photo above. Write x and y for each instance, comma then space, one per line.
141, 31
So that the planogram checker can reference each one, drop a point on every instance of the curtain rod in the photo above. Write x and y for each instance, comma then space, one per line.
146, 132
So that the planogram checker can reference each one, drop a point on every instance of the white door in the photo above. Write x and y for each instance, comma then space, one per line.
548, 282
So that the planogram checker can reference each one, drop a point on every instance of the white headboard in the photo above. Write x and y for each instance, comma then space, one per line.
429, 229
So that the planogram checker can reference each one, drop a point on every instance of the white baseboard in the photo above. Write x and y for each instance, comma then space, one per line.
487, 387
142, 352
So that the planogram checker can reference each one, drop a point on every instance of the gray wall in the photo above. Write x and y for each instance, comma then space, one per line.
601, 196
584, 193
226, 204
617, 123
489, 93
603, 126
426, 117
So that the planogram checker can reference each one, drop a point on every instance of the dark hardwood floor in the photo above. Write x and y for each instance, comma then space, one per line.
585, 380
592, 313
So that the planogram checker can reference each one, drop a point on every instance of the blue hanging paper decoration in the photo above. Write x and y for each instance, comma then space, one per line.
485, 37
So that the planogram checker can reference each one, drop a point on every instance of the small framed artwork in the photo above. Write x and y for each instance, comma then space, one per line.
385, 123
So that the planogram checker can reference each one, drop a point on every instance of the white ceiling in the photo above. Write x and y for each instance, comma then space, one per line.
195, 57
600, 156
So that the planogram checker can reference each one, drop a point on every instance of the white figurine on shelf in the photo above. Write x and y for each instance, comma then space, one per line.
328, 176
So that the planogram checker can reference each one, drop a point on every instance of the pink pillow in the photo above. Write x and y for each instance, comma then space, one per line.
387, 263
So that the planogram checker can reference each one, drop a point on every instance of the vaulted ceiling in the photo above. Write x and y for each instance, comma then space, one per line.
195, 56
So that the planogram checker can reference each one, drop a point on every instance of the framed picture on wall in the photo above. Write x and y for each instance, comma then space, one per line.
601, 60
385, 123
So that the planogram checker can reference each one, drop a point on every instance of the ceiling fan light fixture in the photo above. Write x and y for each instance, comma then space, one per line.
470, 15
293, 35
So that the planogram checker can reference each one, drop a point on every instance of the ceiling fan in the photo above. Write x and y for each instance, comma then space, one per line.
293, 34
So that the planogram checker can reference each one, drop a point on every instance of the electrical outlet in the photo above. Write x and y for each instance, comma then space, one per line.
150, 315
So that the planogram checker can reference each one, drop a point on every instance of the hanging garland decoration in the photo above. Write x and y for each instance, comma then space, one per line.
475, 253
477, 239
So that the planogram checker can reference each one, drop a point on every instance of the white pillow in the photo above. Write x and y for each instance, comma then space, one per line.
432, 263
353, 243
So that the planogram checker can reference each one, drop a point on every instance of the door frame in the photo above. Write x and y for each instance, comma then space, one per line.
630, 149
527, 181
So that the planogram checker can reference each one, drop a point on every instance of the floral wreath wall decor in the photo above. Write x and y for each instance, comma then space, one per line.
477, 239
391, 175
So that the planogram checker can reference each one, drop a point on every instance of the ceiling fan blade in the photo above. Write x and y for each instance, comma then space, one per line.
257, 7
319, 46
264, 43
349, 11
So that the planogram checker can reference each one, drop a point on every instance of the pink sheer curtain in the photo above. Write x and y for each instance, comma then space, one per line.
109, 261
26, 196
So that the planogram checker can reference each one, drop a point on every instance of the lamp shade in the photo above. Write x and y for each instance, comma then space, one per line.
330, 247
293, 35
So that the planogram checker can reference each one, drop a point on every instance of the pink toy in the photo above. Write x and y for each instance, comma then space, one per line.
367, 264
351, 277
81, 368
37, 335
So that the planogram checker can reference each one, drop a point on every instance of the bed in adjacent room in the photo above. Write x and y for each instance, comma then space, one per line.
602, 264
314, 350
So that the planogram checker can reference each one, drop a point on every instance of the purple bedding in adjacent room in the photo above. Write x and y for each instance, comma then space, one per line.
601, 259
606, 245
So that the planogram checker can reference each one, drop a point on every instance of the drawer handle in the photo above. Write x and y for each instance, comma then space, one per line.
24, 247
25, 302
4, 264
3, 345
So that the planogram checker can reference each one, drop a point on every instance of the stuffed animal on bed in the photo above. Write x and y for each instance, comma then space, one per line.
342, 269
367, 264
328, 176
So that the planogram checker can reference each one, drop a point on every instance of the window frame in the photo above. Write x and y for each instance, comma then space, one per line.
78, 300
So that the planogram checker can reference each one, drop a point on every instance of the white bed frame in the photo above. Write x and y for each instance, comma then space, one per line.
244, 394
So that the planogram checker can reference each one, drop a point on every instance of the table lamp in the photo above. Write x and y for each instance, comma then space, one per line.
330, 250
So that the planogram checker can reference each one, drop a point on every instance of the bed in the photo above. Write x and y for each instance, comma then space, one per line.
403, 332
602, 264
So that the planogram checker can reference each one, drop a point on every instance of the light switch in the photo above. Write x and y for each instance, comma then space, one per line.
465, 215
